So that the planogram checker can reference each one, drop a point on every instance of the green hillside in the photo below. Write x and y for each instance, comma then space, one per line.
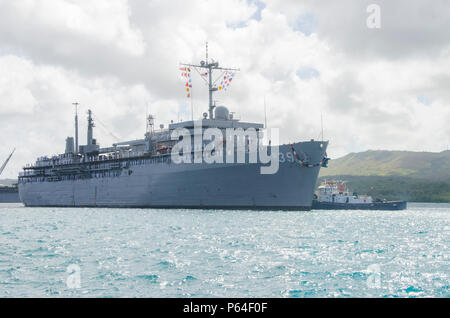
424, 165
397, 188
395, 175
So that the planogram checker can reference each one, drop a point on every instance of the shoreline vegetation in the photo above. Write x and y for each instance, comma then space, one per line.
394, 175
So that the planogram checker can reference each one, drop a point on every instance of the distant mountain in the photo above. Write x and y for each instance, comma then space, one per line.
394, 175
423, 165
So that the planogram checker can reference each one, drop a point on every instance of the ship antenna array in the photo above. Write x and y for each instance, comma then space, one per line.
321, 124
265, 113
210, 66
321, 127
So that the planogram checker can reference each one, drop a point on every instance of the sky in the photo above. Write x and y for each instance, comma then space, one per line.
379, 79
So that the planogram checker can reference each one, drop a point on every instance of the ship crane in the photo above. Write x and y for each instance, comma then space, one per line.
6, 162
210, 66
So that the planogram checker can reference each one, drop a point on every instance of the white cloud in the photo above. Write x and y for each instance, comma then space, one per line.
36, 112
14, 75
103, 21
307, 58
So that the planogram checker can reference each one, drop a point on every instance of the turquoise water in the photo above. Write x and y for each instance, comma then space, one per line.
195, 253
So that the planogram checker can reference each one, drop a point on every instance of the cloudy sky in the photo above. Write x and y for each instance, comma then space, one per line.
377, 88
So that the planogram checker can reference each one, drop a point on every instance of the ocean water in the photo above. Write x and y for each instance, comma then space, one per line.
100, 252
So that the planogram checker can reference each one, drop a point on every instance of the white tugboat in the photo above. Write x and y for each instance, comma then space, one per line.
334, 195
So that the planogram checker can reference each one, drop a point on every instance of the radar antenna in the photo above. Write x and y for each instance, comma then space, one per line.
210, 66
265, 113
321, 123
76, 126
90, 128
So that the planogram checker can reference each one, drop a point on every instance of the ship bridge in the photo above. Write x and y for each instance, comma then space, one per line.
215, 123
222, 119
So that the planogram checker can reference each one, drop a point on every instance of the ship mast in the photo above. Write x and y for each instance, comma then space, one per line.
90, 128
210, 66
76, 126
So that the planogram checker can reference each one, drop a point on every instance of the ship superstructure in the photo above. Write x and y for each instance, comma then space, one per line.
142, 173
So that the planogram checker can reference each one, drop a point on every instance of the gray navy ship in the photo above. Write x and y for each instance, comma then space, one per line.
143, 173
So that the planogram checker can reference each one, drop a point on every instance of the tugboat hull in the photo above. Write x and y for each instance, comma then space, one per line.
390, 205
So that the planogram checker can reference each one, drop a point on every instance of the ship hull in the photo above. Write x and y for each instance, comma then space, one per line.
168, 185
8, 195
391, 205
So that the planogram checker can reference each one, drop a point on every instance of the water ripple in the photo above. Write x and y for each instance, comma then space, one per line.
195, 253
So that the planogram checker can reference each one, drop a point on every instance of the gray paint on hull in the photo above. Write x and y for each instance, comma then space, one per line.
9, 197
233, 186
